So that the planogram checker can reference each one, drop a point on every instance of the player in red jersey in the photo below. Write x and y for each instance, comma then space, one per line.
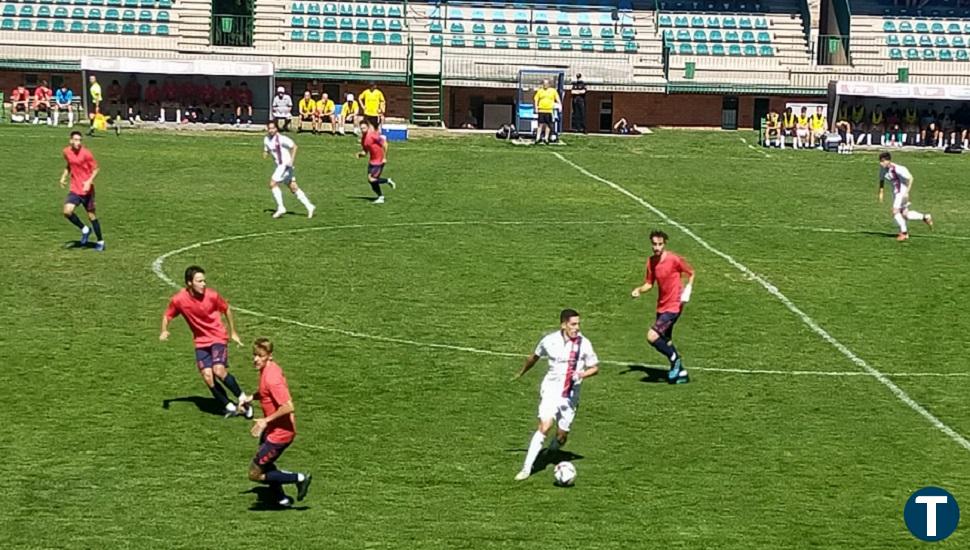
665, 270
276, 429
82, 168
42, 102
227, 103
374, 144
244, 104
203, 309
20, 103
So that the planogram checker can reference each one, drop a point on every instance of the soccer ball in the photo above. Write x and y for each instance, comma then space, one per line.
565, 474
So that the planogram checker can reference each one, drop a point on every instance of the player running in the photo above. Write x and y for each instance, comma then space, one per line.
571, 360
202, 309
276, 429
902, 182
373, 143
284, 155
665, 269
82, 168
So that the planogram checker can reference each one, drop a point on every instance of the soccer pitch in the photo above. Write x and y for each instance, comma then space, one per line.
400, 326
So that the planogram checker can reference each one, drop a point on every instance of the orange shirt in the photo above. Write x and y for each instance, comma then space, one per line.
81, 165
273, 394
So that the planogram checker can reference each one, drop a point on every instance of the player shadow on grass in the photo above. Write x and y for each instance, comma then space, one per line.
652, 375
70, 245
879, 234
362, 198
288, 213
266, 503
548, 457
207, 405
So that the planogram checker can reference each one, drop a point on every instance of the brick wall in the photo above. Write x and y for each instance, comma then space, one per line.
690, 109
398, 96
11, 79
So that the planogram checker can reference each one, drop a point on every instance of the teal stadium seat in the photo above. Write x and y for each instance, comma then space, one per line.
609, 46
586, 32
566, 45
297, 22
628, 33
563, 18
479, 42
925, 41
163, 4
922, 27
543, 44
161, 30
27, 24
379, 38
583, 19
937, 28
522, 44
313, 22
942, 42
394, 11
78, 13
606, 32
750, 50
586, 46
962, 55
362, 10
115, 3
297, 7
630, 47
128, 15
747, 37
127, 28
362, 25
44, 11
729, 23
685, 49
716, 36
478, 15
697, 22
94, 27
542, 30
363, 38
128, 3
666, 21
717, 49
457, 28
929, 54
744, 23
109, 28
330, 22
395, 25
958, 42
954, 28
499, 15
378, 25
734, 50
946, 55
501, 43
683, 36
520, 17
296, 36
668, 35
9, 10
346, 9
435, 26
700, 36
313, 36
764, 38
892, 40
966, 28
378, 11
95, 13
714, 22
680, 22
540, 17
702, 49
144, 28
329, 36
905, 26
84, 3
499, 29
565, 31
28, 11
521, 30
895, 53
888, 26
346, 37
731, 36
77, 26
766, 51
909, 40
162, 17
330, 8
436, 40
455, 13
96, 2
912, 54
761, 23
346, 23
43, 25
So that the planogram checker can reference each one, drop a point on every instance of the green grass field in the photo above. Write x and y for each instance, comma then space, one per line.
414, 445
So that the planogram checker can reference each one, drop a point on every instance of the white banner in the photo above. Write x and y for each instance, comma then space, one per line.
902, 91
177, 67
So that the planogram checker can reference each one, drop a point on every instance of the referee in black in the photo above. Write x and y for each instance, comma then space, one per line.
579, 104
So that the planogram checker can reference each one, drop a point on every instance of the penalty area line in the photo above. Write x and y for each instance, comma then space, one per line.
773, 290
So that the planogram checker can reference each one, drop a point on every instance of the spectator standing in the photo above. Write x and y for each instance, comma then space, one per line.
579, 104
282, 109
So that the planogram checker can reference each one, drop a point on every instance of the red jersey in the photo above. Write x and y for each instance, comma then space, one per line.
187, 92
204, 315
152, 94
20, 94
81, 165
664, 272
42, 94
273, 394
132, 90
244, 96
114, 92
208, 93
373, 143
170, 91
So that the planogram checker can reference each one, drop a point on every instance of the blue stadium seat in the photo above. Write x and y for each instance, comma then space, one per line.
457, 28
296, 35
630, 46
77, 13
362, 24
717, 49
523, 44
766, 51
666, 21
685, 49
745, 23
697, 21
713, 22
929, 54
962, 55
941, 42
683, 36
922, 27
297, 22
946, 55
716, 36
362, 38
700, 36
379, 38
892, 40
347, 37
565, 31
109, 28
297, 7
542, 30
734, 50
702, 49
43, 25
895, 53
479, 42
543, 44
888, 26
909, 40
566, 45
501, 43
680, 22
954, 28
394, 11
731, 36
905, 26
330, 22
128, 15
436, 40
330, 36
127, 28
747, 37
378, 25
26, 24
395, 25
936, 28
729, 23
958, 42
521, 30
144, 28
313, 36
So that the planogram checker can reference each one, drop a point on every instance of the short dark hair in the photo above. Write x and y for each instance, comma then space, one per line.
273, 124
191, 272
264, 344
885, 156
75, 133
658, 233
567, 314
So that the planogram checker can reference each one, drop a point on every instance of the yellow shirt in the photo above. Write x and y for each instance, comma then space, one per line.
325, 107
802, 121
858, 113
350, 108
772, 120
818, 122
545, 100
911, 117
307, 106
372, 102
790, 120
96, 92
877, 117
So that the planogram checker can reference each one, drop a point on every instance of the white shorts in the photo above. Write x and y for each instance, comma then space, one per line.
900, 201
553, 406
283, 174
802, 132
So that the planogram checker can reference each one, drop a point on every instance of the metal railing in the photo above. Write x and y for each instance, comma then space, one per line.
832, 49
232, 30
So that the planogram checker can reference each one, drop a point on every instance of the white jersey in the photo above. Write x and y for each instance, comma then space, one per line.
281, 147
898, 176
557, 349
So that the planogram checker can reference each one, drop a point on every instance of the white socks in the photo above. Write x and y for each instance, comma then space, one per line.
304, 199
534, 447
57, 115
913, 215
901, 222
278, 197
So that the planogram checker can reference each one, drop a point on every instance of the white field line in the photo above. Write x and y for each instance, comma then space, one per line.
753, 148
158, 269
773, 290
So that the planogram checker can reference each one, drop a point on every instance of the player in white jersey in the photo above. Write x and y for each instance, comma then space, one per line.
571, 360
283, 151
902, 183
